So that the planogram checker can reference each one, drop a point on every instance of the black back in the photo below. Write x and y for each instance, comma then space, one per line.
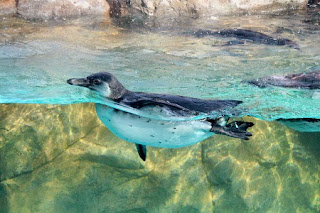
177, 103
253, 36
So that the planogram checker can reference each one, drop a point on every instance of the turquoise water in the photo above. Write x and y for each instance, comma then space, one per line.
147, 55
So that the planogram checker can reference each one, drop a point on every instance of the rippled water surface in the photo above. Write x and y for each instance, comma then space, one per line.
153, 55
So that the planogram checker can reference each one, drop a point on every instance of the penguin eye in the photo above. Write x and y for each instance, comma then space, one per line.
96, 81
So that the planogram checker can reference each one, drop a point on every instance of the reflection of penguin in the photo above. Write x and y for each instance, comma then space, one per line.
160, 133
247, 35
309, 80
302, 124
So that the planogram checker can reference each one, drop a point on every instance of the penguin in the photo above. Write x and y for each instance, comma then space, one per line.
146, 131
308, 81
247, 35
305, 80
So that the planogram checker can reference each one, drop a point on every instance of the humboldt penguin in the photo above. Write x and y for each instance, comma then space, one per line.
247, 35
309, 81
146, 131
305, 80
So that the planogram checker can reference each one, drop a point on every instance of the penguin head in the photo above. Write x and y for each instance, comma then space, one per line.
284, 41
103, 83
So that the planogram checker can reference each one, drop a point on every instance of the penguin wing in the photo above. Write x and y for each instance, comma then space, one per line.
187, 104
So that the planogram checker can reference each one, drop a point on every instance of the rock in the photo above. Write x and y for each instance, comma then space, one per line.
199, 8
7, 7
314, 3
48, 9
267, 173
62, 159
38, 145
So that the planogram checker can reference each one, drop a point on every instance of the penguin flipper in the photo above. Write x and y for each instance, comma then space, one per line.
142, 151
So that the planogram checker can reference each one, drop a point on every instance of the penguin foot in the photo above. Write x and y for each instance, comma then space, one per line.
235, 129
241, 125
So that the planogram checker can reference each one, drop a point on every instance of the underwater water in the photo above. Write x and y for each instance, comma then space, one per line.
57, 156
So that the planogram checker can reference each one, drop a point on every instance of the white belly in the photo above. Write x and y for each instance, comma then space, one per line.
151, 132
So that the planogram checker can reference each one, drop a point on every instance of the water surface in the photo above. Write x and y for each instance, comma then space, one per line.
153, 55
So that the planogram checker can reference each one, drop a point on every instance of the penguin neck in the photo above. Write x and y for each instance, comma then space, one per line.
117, 91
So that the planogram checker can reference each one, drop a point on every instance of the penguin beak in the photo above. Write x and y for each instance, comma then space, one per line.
82, 82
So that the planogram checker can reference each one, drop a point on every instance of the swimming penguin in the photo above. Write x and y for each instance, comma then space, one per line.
309, 80
247, 35
145, 131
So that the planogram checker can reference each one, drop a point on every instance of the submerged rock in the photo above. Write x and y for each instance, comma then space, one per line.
48, 9
62, 159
